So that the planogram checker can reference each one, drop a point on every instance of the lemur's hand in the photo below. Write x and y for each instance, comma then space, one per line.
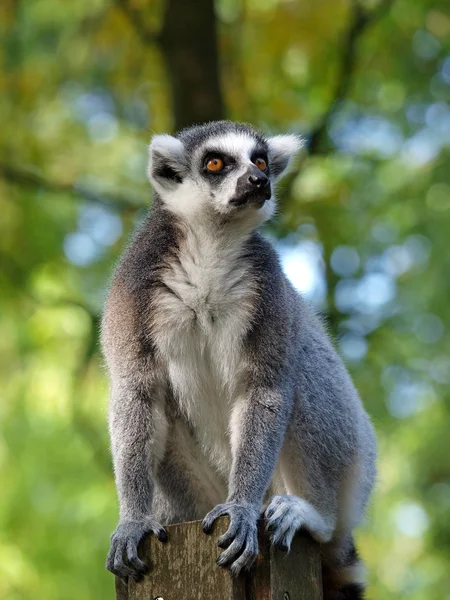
241, 537
122, 558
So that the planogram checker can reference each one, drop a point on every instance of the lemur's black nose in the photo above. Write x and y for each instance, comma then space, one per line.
259, 181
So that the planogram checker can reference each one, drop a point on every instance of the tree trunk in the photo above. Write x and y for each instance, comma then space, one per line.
189, 43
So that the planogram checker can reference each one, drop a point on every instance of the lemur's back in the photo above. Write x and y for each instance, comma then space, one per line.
226, 393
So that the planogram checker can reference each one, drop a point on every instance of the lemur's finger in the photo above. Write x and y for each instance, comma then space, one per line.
225, 540
248, 557
120, 568
161, 534
233, 550
110, 558
214, 514
134, 560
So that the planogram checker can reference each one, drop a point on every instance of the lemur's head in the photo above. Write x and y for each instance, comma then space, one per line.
223, 167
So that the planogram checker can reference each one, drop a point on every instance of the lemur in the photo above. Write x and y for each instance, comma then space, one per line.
227, 396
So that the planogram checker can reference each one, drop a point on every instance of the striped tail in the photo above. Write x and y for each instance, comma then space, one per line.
343, 572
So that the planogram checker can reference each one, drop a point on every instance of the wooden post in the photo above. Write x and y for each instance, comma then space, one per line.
185, 568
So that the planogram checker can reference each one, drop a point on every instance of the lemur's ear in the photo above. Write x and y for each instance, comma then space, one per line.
166, 165
282, 149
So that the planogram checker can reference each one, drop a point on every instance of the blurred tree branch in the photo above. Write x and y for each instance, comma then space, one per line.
360, 20
31, 180
188, 41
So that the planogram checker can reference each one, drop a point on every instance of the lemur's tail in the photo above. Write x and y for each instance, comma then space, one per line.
342, 571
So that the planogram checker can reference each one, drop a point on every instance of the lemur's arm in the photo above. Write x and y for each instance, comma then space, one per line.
258, 427
138, 429
137, 426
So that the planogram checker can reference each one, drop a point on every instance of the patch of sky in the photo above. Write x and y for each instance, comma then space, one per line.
366, 295
304, 266
360, 324
345, 261
98, 227
103, 225
80, 249
367, 135
95, 108
410, 519
353, 347
397, 259
421, 148
407, 394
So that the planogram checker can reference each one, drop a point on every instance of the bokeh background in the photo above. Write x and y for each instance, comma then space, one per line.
363, 231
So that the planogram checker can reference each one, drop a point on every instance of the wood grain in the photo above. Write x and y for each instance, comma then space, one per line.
185, 568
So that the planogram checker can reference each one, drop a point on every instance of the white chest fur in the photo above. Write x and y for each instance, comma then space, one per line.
201, 318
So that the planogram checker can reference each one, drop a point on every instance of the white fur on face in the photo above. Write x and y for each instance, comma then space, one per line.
240, 146
194, 195
234, 144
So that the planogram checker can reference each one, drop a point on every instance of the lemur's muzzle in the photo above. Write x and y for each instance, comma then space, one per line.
253, 187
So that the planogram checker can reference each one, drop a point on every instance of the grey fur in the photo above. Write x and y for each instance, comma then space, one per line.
227, 396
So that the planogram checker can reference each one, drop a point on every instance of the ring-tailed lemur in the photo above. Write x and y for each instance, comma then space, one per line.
227, 397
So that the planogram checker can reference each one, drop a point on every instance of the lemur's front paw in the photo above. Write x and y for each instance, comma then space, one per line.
287, 514
241, 537
122, 558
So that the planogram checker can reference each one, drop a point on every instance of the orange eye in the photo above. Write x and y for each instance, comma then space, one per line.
261, 164
214, 164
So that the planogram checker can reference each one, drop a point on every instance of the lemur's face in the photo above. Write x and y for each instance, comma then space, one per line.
220, 167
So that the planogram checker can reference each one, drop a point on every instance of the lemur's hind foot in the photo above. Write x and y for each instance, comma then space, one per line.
287, 514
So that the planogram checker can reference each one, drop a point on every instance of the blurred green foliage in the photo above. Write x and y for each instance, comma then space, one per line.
364, 229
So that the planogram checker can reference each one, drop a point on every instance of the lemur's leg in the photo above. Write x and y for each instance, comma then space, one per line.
138, 428
326, 497
308, 500
257, 427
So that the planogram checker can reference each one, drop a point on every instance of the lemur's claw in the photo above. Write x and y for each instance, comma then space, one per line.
122, 559
241, 537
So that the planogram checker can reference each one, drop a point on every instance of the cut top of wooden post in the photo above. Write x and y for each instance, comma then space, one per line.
184, 568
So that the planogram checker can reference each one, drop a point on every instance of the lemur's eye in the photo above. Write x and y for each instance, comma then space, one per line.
260, 163
214, 164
